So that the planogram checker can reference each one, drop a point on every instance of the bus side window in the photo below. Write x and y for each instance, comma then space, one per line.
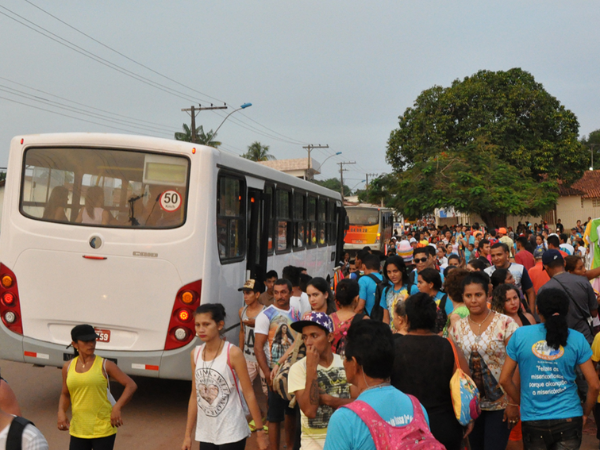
283, 219
331, 222
269, 218
322, 212
299, 237
312, 222
230, 224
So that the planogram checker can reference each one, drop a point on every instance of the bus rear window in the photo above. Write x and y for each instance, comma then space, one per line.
363, 216
104, 187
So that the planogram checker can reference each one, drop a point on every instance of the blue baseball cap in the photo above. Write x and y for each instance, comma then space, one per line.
550, 256
314, 318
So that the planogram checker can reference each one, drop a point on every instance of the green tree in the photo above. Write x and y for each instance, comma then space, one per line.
380, 188
592, 143
495, 143
258, 152
333, 184
201, 137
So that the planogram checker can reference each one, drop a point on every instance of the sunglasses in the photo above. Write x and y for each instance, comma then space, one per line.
420, 260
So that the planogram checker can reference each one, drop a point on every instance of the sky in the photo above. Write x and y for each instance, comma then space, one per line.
316, 72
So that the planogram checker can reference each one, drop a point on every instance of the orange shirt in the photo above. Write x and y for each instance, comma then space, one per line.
539, 276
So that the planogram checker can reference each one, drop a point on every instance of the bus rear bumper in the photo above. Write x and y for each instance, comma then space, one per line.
171, 364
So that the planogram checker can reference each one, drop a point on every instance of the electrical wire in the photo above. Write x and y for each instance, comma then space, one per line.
66, 115
287, 138
82, 104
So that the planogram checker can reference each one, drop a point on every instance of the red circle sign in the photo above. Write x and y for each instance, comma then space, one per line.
170, 201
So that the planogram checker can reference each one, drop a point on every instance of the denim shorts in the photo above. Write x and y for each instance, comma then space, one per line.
560, 434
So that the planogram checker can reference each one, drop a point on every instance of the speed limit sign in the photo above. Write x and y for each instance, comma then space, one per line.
170, 201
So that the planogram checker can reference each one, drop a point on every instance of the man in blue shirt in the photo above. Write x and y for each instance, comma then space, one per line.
368, 286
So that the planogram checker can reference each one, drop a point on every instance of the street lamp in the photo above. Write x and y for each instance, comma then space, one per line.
330, 156
244, 106
363, 181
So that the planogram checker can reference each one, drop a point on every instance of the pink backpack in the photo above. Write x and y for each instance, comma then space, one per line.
415, 435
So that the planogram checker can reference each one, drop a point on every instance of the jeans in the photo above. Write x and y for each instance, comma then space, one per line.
490, 432
562, 434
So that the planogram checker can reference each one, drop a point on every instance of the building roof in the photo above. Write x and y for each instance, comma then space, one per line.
294, 166
588, 186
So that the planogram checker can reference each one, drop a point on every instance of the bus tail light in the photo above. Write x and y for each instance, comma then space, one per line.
378, 237
181, 325
10, 310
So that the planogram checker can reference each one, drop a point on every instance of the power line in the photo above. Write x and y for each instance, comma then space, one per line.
66, 115
84, 105
19, 93
142, 65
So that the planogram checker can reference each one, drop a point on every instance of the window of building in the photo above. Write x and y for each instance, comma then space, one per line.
299, 231
231, 225
283, 220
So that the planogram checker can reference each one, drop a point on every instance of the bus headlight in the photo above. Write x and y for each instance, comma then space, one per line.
180, 334
10, 317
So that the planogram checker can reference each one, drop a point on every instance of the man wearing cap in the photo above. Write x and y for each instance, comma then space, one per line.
247, 314
506, 240
583, 305
538, 275
318, 380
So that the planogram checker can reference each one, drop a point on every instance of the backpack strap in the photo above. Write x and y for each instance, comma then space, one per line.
418, 416
15, 433
198, 355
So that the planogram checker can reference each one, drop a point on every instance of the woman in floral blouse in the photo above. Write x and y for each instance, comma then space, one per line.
483, 336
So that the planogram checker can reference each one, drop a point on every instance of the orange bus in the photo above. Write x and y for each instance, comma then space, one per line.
368, 226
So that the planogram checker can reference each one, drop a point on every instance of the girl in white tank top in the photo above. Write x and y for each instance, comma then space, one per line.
219, 374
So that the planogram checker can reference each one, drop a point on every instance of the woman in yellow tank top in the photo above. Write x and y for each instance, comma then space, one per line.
95, 418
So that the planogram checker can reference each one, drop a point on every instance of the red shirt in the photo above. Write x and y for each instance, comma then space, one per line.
525, 258
539, 276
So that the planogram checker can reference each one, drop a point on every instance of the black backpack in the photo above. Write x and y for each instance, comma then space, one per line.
377, 310
15, 433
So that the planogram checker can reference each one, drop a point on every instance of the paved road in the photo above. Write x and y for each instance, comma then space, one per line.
154, 419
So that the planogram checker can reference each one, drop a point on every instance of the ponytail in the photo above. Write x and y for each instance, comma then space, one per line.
553, 305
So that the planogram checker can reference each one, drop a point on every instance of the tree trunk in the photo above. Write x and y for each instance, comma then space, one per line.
493, 220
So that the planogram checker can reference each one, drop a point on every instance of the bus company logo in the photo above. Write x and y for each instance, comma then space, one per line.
95, 242
145, 254
543, 351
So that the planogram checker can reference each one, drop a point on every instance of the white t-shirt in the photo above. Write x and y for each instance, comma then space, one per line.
300, 303
32, 439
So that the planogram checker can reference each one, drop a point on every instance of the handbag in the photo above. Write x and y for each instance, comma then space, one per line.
280, 380
464, 394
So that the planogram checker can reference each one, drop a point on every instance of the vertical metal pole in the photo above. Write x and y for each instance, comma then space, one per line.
193, 125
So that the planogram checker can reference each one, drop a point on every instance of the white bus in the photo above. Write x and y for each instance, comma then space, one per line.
131, 234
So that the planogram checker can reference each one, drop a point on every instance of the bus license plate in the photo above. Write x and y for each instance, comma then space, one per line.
358, 241
103, 335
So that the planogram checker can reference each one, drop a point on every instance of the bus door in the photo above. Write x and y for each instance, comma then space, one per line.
257, 255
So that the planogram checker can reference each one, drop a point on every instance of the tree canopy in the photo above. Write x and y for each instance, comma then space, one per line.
258, 152
201, 137
494, 143
592, 142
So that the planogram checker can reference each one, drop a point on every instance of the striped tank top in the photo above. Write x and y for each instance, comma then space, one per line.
90, 406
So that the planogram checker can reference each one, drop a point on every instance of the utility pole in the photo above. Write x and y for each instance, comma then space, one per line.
310, 147
367, 178
342, 170
193, 111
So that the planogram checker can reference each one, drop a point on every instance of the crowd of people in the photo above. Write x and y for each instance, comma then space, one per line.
369, 363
